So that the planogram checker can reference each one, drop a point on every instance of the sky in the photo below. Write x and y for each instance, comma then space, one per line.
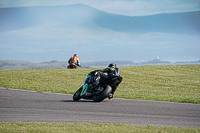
156, 41
122, 7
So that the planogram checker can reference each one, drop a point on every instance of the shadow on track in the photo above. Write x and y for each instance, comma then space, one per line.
84, 101
75, 101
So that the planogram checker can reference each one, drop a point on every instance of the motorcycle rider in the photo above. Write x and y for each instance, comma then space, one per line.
95, 76
75, 59
112, 70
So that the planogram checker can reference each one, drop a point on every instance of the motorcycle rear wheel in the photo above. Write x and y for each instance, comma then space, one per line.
72, 67
76, 96
103, 95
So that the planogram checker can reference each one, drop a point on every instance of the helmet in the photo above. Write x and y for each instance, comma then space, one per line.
75, 55
112, 65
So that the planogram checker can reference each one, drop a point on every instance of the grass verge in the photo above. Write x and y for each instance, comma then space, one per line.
157, 83
19, 127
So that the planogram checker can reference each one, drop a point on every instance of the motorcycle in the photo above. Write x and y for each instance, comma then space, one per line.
100, 91
72, 64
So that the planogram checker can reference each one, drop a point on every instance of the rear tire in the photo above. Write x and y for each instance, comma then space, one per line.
103, 95
76, 96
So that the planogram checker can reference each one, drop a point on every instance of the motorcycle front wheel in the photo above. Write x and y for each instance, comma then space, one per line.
76, 95
103, 95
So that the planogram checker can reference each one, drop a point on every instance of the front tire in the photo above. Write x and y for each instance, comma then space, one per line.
76, 96
103, 95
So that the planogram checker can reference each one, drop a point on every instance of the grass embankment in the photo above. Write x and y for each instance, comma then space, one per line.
18, 127
157, 83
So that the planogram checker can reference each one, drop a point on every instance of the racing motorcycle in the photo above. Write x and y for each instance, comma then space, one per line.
100, 91
72, 64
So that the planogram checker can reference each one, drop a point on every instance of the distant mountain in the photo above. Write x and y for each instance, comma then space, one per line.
57, 32
27, 17
10, 65
83, 15
184, 23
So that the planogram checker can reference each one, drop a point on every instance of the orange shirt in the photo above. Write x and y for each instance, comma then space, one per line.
74, 59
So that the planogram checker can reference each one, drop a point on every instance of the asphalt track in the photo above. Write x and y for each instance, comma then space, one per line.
30, 106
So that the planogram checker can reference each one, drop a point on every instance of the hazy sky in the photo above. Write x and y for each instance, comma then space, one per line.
123, 7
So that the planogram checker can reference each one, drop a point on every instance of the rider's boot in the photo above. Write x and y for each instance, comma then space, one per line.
110, 96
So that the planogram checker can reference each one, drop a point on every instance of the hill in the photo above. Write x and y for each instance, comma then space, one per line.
86, 16
11, 65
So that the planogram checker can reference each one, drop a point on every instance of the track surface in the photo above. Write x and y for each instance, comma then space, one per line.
29, 106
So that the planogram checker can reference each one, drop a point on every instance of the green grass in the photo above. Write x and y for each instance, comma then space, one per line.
157, 83
19, 127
